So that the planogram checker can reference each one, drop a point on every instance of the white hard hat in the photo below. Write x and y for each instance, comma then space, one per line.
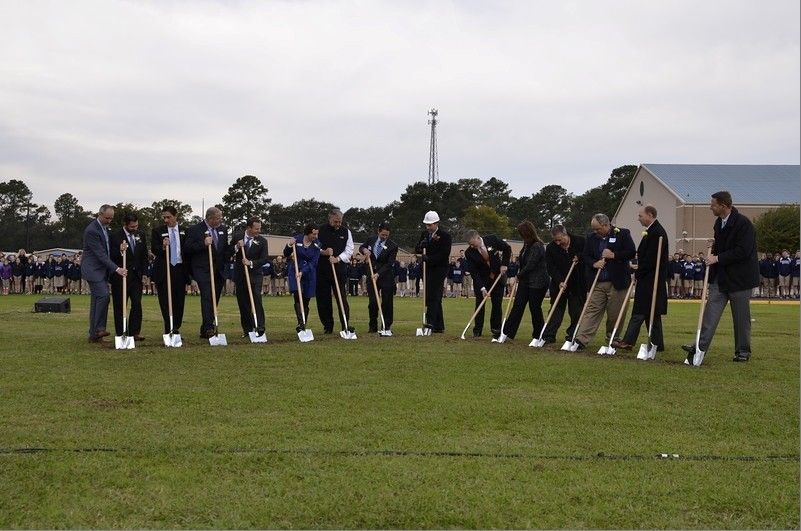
431, 217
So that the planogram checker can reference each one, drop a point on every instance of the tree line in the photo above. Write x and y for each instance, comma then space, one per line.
485, 205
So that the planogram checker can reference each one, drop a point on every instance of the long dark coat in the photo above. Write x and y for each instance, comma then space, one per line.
646, 270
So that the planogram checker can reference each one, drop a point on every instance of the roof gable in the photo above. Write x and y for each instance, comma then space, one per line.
768, 184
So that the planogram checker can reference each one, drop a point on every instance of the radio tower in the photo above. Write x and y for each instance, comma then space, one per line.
433, 164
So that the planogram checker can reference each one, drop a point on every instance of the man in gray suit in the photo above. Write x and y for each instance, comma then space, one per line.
96, 266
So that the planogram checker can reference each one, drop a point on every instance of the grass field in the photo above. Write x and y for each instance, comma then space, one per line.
392, 432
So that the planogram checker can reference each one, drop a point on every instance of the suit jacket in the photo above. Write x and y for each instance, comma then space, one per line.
438, 249
136, 259
157, 248
559, 262
533, 267
96, 264
735, 246
484, 274
196, 254
384, 264
257, 253
646, 272
619, 242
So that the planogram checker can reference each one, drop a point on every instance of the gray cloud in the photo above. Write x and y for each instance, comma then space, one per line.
119, 101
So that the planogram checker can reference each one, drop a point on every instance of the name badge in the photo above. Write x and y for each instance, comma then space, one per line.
612, 240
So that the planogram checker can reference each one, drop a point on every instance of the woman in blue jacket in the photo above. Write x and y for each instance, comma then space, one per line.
308, 252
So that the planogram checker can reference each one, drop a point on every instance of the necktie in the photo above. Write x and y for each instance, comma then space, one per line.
173, 247
248, 239
105, 237
214, 237
377, 248
131, 242
723, 223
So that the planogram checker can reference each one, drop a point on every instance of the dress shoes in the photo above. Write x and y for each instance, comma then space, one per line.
741, 356
102, 334
621, 345
689, 349
96, 339
137, 337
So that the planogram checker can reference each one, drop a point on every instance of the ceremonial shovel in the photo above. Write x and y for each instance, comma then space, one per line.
218, 339
254, 335
347, 333
503, 337
124, 341
171, 339
539, 342
383, 332
648, 351
698, 357
572, 346
425, 330
609, 350
305, 335
481, 304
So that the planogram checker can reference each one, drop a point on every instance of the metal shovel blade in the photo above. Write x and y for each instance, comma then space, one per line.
423, 332
539, 343
651, 351
172, 340
256, 338
569, 346
123, 342
385, 333
642, 354
305, 336
606, 351
346, 334
502, 338
698, 357
218, 340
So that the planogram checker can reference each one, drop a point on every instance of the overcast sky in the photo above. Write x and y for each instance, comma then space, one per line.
137, 101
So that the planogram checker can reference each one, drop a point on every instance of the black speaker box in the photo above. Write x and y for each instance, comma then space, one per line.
52, 305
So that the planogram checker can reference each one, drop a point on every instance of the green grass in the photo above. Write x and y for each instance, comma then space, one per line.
399, 432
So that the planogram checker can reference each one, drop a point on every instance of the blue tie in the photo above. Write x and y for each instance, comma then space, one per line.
377, 248
173, 248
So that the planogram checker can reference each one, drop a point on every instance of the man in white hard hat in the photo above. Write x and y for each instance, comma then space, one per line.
437, 246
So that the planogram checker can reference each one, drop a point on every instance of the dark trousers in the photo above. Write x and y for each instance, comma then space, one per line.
206, 303
178, 283
243, 300
353, 287
526, 296
98, 307
417, 287
496, 298
386, 293
636, 322
574, 302
135, 296
433, 294
324, 292
298, 313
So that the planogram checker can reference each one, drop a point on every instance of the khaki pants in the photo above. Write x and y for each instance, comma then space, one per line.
604, 297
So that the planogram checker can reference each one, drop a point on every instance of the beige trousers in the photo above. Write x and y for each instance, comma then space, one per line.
604, 297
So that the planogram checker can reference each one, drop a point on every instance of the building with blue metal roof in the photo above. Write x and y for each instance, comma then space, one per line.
681, 194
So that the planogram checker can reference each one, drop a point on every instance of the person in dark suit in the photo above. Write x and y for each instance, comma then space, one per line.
96, 266
170, 239
381, 251
645, 272
255, 246
733, 274
488, 258
130, 241
437, 245
608, 249
336, 244
209, 233
559, 256
532, 282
